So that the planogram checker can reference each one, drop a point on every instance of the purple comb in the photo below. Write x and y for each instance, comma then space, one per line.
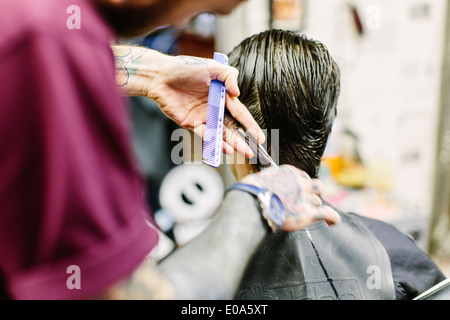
212, 141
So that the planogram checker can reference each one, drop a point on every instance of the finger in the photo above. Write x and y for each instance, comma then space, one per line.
243, 116
317, 187
327, 214
309, 217
226, 74
232, 139
231, 82
322, 213
313, 199
227, 149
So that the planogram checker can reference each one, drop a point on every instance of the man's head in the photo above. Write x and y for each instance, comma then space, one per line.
291, 84
132, 18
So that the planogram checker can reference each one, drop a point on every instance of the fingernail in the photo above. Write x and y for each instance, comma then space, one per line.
337, 217
260, 136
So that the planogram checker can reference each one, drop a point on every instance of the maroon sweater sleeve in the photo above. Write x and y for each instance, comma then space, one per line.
70, 194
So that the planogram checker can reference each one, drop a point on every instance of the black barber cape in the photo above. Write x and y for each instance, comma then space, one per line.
412, 269
358, 259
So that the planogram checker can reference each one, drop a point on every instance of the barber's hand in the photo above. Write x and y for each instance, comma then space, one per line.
299, 194
182, 88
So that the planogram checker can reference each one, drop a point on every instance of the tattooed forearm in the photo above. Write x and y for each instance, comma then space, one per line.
126, 58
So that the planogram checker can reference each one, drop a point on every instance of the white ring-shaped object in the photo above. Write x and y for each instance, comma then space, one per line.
191, 192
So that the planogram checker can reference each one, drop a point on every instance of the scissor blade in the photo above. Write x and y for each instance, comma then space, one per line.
260, 152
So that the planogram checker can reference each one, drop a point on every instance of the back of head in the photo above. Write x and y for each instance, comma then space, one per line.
291, 84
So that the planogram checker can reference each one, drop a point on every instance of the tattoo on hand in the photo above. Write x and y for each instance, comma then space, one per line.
283, 184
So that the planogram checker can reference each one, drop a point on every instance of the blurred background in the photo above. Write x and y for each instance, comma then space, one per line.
388, 156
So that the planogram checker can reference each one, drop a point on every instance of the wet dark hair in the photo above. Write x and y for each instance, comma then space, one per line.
292, 84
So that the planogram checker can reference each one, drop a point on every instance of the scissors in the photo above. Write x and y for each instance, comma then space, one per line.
260, 152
